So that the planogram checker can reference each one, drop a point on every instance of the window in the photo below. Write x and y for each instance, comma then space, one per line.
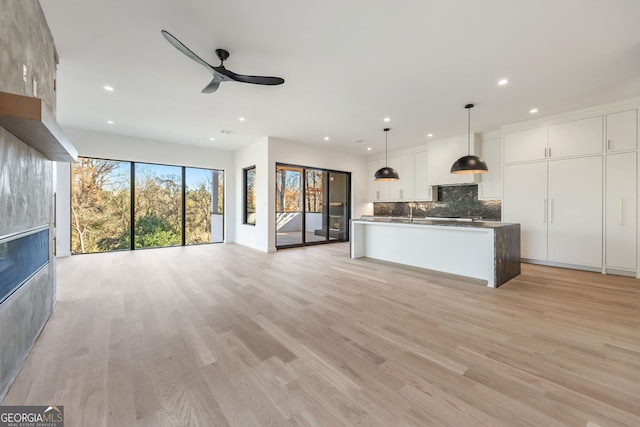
204, 205
100, 205
158, 205
249, 195
119, 205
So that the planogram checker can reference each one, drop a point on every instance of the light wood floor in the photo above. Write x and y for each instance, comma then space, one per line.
223, 335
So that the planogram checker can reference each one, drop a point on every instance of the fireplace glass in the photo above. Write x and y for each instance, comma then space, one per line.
21, 256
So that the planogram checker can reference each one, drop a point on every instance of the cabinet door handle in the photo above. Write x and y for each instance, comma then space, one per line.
550, 211
549, 151
545, 152
377, 194
620, 211
608, 145
544, 211
401, 194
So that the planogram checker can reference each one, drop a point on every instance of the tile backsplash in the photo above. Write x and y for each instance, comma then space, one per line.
453, 201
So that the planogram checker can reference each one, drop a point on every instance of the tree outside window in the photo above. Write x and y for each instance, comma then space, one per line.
250, 195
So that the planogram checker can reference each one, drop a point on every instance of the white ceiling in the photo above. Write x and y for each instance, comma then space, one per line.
347, 65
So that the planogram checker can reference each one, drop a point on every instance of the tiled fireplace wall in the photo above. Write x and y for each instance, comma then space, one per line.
25, 179
453, 201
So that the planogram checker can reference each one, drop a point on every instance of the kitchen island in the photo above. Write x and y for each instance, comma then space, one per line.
482, 250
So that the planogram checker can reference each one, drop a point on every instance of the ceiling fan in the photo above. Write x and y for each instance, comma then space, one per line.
220, 73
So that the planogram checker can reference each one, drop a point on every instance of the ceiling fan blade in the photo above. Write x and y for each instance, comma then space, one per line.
213, 86
185, 50
258, 80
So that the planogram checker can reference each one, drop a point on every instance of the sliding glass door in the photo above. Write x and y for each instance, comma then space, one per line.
289, 216
312, 206
339, 206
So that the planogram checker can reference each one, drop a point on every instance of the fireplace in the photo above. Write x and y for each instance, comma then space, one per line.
22, 255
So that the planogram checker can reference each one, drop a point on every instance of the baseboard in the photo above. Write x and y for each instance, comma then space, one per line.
562, 265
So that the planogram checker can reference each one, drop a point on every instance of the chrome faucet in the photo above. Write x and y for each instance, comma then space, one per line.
411, 211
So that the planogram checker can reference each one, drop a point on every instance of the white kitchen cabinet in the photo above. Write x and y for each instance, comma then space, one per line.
377, 191
525, 202
622, 131
575, 211
442, 154
575, 138
525, 145
558, 204
400, 190
490, 183
422, 189
407, 178
620, 224
394, 187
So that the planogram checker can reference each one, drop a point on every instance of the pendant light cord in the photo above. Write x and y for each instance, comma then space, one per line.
386, 150
469, 134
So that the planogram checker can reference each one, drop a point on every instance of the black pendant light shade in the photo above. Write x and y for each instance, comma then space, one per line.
386, 173
469, 163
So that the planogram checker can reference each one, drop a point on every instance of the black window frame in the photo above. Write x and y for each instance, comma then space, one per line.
132, 166
245, 196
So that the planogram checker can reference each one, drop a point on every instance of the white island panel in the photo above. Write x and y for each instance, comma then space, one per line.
463, 250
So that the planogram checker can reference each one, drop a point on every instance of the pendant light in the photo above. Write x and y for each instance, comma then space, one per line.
469, 163
386, 173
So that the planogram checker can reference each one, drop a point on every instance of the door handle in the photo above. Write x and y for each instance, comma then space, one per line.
608, 145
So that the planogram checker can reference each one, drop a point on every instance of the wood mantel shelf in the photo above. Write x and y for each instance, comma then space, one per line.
30, 120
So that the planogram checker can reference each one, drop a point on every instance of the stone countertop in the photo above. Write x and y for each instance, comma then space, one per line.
444, 223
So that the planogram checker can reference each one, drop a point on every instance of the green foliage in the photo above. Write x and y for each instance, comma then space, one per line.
152, 232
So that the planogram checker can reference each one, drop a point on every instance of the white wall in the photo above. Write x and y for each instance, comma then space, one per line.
254, 236
118, 147
281, 151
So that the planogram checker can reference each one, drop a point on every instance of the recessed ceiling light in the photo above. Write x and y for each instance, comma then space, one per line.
326, 138
360, 141
368, 148
387, 119
212, 139
241, 119
108, 88
533, 110
502, 82
429, 135
110, 122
